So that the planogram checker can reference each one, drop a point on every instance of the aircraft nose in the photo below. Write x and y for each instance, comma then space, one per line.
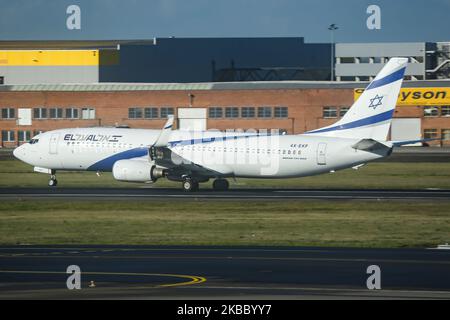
19, 153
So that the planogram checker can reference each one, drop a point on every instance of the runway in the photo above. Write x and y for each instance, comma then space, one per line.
222, 272
232, 194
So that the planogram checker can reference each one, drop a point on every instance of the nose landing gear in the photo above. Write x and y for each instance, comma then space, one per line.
52, 182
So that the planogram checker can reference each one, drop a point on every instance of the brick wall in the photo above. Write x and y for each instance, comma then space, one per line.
304, 108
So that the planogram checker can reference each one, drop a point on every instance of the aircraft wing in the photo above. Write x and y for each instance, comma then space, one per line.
165, 157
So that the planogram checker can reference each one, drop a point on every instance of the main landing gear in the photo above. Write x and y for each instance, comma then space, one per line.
52, 182
189, 184
221, 185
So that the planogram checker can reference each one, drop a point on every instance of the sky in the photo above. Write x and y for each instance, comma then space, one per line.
401, 20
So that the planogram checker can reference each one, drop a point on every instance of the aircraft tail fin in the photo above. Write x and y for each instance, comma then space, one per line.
370, 116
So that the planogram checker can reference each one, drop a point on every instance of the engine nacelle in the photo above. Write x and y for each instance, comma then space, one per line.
136, 171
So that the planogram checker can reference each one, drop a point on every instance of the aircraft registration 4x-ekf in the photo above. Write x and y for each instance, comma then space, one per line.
193, 157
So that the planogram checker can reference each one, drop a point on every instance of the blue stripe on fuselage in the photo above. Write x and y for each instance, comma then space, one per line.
359, 123
107, 163
212, 139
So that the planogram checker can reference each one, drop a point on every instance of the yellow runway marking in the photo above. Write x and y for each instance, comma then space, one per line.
192, 279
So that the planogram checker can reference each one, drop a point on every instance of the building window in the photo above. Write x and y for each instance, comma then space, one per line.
281, 112
264, 112
377, 60
56, 113
445, 134
343, 111
215, 112
431, 111
150, 113
24, 135
347, 60
71, 113
247, 112
8, 113
329, 112
8, 136
430, 133
445, 111
348, 78
231, 112
39, 113
134, 113
88, 113
364, 60
166, 111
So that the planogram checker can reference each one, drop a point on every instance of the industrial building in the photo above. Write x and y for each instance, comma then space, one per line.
362, 61
165, 60
264, 84
294, 107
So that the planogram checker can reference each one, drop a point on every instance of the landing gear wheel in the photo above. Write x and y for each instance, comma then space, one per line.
190, 185
221, 185
52, 182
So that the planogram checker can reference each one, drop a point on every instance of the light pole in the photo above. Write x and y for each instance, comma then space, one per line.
332, 27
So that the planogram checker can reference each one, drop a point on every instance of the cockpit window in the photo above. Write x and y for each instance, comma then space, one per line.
33, 141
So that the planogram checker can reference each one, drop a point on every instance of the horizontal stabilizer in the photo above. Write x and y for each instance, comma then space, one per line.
405, 142
370, 145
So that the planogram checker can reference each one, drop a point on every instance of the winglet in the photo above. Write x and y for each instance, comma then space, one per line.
164, 136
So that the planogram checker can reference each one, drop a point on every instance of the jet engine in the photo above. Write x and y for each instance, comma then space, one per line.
137, 171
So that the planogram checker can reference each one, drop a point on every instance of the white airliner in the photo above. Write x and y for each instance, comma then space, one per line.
141, 155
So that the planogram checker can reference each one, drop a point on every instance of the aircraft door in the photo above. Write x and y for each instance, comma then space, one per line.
54, 138
322, 153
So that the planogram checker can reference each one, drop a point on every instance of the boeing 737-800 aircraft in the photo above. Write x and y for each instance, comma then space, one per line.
141, 155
